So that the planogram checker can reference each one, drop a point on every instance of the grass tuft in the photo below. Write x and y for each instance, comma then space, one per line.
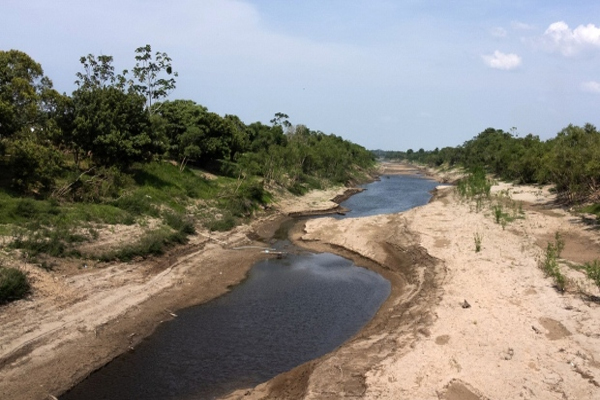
13, 284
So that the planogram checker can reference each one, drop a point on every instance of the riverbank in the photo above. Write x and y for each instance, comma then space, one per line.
461, 323
519, 337
80, 317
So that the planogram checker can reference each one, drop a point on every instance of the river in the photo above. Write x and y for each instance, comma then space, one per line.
287, 312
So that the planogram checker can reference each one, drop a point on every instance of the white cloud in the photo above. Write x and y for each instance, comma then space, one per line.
522, 26
499, 32
591, 86
559, 37
499, 60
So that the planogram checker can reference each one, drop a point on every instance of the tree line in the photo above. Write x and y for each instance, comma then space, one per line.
50, 143
570, 160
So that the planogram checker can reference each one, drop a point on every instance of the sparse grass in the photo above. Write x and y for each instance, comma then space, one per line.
550, 264
475, 186
477, 237
224, 223
154, 242
13, 284
592, 270
158, 190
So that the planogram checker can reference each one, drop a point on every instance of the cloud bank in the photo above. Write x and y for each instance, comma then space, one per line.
559, 37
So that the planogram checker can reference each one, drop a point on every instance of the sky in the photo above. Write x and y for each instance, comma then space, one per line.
386, 74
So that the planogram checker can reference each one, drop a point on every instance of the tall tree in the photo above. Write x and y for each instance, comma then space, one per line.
150, 73
110, 123
25, 93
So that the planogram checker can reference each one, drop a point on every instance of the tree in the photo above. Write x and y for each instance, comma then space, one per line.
98, 72
281, 119
149, 71
24, 93
112, 127
27, 105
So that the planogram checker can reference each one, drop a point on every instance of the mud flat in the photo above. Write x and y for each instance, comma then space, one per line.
460, 324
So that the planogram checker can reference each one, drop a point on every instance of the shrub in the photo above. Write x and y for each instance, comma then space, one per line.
13, 284
179, 223
592, 270
550, 263
225, 223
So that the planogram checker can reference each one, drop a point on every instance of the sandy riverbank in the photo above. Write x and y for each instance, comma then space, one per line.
77, 319
520, 337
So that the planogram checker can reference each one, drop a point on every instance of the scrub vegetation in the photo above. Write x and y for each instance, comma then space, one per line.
550, 264
117, 152
569, 161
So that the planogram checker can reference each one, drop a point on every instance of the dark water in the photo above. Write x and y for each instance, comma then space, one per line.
393, 194
287, 312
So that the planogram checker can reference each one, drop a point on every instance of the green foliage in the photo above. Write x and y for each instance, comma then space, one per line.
112, 126
550, 264
224, 223
150, 71
571, 162
91, 158
474, 185
13, 284
35, 239
154, 242
25, 93
592, 270
179, 222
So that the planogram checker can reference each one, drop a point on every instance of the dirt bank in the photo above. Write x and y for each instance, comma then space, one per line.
461, 324
79, 316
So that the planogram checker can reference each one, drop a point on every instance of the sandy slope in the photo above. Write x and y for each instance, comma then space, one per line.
519, 339
79, 318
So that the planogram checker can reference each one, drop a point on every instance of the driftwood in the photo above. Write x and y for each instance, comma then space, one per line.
65, 189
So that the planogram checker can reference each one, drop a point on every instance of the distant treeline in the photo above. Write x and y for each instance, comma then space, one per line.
114, 122
570, 161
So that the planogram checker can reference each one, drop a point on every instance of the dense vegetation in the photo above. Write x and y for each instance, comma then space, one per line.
116, 151
570, 161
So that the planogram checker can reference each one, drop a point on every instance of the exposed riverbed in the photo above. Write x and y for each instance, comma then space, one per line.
287, 312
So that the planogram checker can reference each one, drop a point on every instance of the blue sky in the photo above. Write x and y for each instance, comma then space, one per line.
385, 74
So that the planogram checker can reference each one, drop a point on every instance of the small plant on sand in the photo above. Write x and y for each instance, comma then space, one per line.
592, 269
13, 284
475, 186
477, 237
550, 263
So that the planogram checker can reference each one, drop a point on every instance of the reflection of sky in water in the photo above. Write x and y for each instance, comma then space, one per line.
392, 194
287, 312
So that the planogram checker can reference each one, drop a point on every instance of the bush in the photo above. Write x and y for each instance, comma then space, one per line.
179, 223
550, 264
152, 243
592, 270
13, 284
225, 223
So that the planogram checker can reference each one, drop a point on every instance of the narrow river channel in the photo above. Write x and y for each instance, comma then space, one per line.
287, 312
